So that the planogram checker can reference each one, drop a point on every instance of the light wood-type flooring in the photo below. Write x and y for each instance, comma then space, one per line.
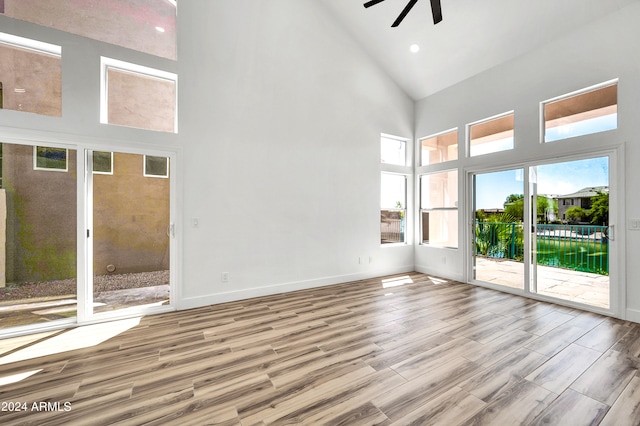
409, 349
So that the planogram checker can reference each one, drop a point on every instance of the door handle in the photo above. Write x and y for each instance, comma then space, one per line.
610, 232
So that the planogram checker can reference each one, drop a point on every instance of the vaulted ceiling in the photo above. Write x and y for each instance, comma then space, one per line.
475, 35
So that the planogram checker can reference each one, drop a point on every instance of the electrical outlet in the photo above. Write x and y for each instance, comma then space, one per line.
224, 277
634, 224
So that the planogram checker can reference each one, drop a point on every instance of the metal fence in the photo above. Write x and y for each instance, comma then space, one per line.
391, 227
578, 247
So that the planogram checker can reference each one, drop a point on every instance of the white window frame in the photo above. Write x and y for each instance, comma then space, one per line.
399, 139
404, 210
30, 44
110, 63
422, 210
50, 169
435, 135
485, 120
110, 172
543, 104
144, 167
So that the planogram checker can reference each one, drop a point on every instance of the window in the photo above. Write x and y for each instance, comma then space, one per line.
156, 166
439, 148
103, 162
491, 135
393, 150
439, 209
31, 73
588, 111
135, 96
45, 158
393, 208
147, 26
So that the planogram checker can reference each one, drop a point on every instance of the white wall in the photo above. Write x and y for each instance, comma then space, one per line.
601, 51
280, 121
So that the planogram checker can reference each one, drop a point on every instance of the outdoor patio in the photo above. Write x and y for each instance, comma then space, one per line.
581, 287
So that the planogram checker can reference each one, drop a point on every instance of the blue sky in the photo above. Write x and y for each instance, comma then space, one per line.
557, 179
553, 179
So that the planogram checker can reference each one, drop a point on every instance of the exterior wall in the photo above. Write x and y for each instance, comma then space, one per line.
131, 216
41, 217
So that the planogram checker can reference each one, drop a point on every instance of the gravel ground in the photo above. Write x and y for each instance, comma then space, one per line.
101, 284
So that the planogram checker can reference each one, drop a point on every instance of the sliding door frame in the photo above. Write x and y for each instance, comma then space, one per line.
84, 249
85, 234
617, 278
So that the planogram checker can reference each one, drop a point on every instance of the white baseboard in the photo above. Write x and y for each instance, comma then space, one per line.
632, 315
232, 296
438, 273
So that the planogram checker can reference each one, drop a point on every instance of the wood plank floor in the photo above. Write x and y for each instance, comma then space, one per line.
403, 350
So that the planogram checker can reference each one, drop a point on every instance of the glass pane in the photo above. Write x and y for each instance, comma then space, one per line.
130, 236
156, 166
393, 202
583, 114
440, 148
144, 25
492, 136
393, 191
440, 228
141, 101
439, 190
50, 158
393, 151
102, 162
30, 80
392, 224
38, 232
498, 247
571, 244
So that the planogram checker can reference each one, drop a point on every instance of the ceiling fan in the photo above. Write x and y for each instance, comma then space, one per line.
436, 10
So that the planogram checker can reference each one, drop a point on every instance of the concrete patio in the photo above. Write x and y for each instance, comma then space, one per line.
581, 287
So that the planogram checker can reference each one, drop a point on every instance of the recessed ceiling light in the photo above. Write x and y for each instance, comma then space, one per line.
160, 29
414, 48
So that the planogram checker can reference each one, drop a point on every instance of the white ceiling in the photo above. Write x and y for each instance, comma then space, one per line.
475, 35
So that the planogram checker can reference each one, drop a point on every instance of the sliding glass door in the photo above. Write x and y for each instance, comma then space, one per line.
571, 238
497, 232
545, 229
130, 230
79, 247
38, 234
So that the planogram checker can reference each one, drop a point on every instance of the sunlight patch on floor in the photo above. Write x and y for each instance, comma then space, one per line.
396, 281
77, 338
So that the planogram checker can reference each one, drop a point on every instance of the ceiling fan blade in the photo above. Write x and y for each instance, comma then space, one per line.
436, 11
404, 12
372, 3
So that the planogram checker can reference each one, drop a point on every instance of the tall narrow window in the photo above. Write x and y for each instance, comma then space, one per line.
588, 111
393, 208
439, 209
393, 150
491, 135
137, 96
439, 148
